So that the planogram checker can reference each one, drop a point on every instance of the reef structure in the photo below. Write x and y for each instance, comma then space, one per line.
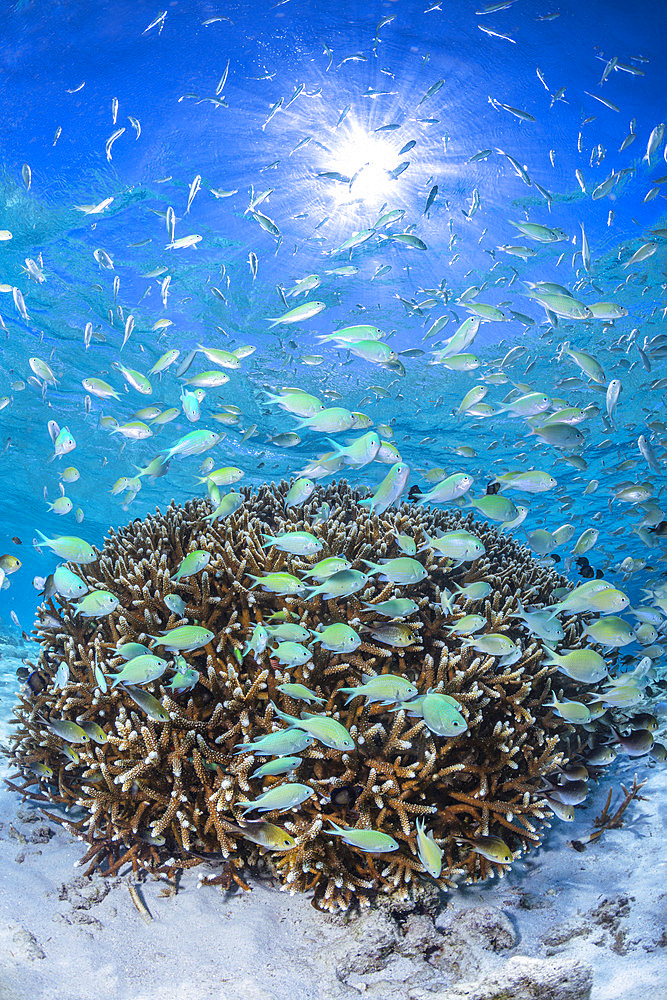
165, 786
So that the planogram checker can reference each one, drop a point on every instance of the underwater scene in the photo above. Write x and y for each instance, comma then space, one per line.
333, 438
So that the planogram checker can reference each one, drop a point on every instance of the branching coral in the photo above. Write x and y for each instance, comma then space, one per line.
164, 795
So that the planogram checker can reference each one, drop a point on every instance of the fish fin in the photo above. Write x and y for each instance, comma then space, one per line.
281, 715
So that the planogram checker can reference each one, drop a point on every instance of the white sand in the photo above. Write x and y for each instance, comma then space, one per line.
65, 937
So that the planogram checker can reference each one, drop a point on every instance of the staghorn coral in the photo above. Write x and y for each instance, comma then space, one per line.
165, 795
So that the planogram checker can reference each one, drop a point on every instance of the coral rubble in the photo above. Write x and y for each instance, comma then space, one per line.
168, 792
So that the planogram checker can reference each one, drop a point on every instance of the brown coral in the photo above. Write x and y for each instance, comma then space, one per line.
164, 795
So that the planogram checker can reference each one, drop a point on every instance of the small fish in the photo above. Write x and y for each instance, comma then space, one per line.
433, 89
61, 678
467, 625
96, 604
493, 644
571, 711
279, 798
344, 583
153, 708
293, 654
140, 669
194, 187
450, 488
299, 492
285, 741
68, 731
185, 677
175, 604
299, 692
69, 547
41, 770
184, 638
325, 729
326, 568
128, 650
111, 140
385, 688
389, 490
227, 506
583, 665
338, 638
569, 793
98, 387
288, 631
403, 570
267, 835
561, 809
475, 591
279, 583
442, 716
429, 853
95, 731
193, 563
370, 841
399, 607
491, 848
611, 631
301, 543
159, 20
461, 546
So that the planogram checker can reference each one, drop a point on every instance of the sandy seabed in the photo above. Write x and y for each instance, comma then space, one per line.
600, 912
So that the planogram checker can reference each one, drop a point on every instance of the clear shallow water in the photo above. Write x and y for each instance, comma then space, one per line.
165, 78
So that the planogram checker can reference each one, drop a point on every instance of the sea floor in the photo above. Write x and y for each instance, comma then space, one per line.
72, 938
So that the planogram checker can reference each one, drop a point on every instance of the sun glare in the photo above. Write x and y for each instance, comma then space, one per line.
368, 161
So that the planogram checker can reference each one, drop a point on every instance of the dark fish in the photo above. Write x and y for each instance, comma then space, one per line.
37, 682
431, 197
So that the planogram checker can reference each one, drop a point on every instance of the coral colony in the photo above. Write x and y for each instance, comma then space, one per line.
361, 701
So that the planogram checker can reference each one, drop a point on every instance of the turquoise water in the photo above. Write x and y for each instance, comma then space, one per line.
416, 171
165, 78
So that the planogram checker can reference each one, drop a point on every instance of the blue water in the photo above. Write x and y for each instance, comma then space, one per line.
164, 78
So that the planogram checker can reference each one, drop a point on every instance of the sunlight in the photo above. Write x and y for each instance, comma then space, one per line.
368, 161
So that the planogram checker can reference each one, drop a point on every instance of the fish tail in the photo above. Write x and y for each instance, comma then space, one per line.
282, 715
338, 448
42, 538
